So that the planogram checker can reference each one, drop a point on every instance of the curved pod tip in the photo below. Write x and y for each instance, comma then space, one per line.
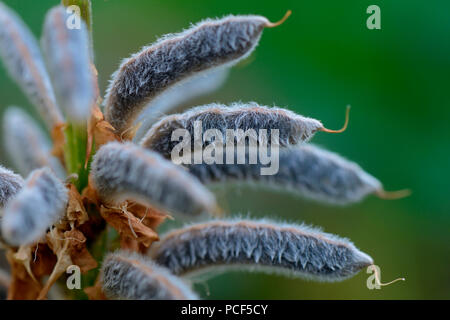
344, 127
280, 22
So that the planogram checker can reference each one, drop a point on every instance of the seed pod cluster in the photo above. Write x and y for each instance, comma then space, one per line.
133, 187
292, 127
20, 52
10, 185
306, 170
128, 172
26, 144
126, 275
69, 63
206, 45
265, 245
41, 203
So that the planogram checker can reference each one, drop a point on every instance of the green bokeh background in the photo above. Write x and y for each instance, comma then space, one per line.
320, 60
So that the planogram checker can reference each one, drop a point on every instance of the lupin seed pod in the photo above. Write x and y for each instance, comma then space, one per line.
40, 204
206, 45
261, 245
69, 63
305, 170
179, 94
10, 185
23, 59
128, 172
27, 145
126, 275
292, 128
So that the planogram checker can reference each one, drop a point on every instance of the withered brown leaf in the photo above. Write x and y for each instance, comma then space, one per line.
76, 213
70, 249
129, 226
22, 286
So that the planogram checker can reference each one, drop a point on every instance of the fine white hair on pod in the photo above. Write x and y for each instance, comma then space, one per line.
209, 44
10, 185
292, 128
304, 170
128, 172
261, 245
40, 204
23, 59
177, 95
69, 62
27, 145
127, 275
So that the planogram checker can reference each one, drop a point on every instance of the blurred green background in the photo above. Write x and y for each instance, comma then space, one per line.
320, 60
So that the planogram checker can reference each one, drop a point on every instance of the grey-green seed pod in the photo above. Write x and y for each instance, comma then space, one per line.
23, 59
292, 128
69, 64
206, 45
40, 204
27, 145
126, 275
305, 170
178, 95
261, 245
10, 185
128, 172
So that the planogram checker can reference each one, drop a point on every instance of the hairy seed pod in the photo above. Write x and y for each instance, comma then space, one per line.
295, 250
177, 95
128, 172
23, 59
27, 145
127, 275
69, 63
206, 45
40, 204
305, 170
10, 185
292, 128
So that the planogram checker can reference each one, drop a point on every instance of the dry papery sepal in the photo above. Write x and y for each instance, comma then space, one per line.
94, 189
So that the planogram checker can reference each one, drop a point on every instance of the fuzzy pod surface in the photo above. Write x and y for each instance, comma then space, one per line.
305, 170
10, 185
22, 57
128, 172
292, 128
261, 245
206, 45
177, 96
27, 145
127, 275
40, 204
69, 63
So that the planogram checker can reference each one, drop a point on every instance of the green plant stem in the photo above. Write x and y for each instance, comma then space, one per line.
75, 154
